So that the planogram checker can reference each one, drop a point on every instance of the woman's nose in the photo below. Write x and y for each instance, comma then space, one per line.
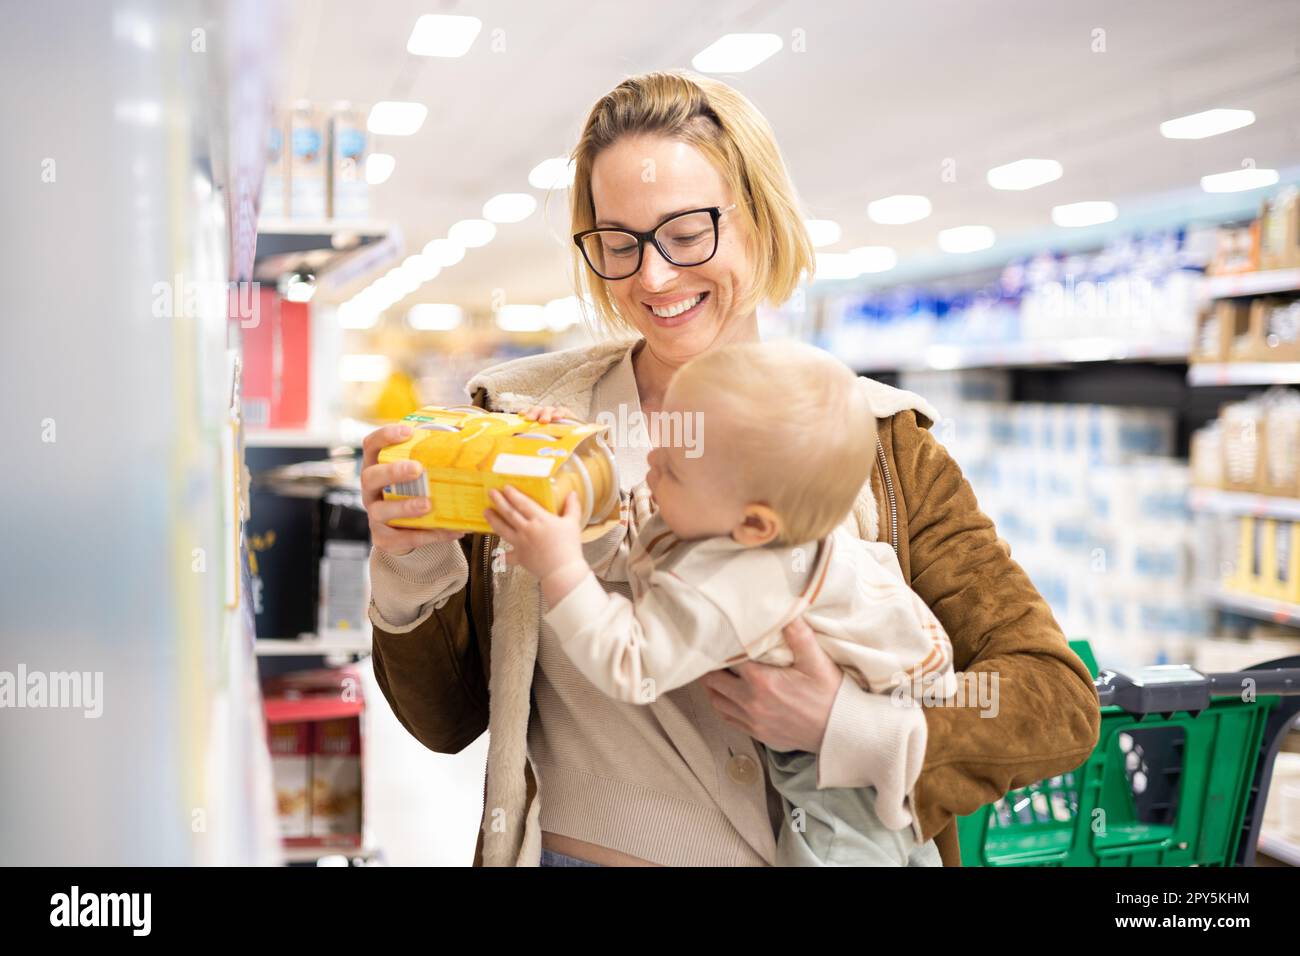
656, 271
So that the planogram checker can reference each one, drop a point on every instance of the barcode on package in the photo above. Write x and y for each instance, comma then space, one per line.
411, 489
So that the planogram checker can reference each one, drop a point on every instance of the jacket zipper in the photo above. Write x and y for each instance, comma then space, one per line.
487, 579
889, 490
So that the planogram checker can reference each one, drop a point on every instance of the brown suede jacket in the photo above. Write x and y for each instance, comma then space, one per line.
436, 675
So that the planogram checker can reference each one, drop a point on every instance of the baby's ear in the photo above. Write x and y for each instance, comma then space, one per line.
759, 525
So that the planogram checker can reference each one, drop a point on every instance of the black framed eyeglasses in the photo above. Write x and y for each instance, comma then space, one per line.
687, 239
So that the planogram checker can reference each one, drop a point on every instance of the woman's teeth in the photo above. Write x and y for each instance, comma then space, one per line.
677, 308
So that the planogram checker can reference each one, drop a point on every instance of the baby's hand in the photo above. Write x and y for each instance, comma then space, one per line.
545, 414
538, 540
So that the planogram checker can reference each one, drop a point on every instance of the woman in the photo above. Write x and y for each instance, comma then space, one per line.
701, 223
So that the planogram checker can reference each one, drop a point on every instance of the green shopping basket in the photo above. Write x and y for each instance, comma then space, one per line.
1179, 775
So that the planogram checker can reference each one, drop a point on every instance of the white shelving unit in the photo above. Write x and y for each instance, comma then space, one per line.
1243, 503
334, 643
1244, 373
1030, 354
341, 251
1254, 605
1251, 283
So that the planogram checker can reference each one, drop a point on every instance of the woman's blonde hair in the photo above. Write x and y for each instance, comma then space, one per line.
735, 137
793, 426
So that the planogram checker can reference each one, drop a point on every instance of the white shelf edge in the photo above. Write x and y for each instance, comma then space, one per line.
290, 438
1219, 501
1255, 605
312, 227
334, 643
942, 358
1251, 283
1244, 373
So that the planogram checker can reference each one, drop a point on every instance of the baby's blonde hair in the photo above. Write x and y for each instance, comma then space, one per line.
794, 423
736, 138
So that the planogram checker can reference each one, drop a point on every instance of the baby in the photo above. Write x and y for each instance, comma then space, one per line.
745, 538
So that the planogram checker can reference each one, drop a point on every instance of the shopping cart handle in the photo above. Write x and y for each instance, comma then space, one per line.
1167, 688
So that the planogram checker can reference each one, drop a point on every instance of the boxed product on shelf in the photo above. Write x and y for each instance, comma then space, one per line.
336, 778
1228, 333
308, 172
1206, 456
275, 389
345, 564
1243, 441
1279, 230
1280, 472
1207, 342
329, 704
1249, 574
1275, 324
274, 188
1282, 579
1236, 250
291, 745
349, 192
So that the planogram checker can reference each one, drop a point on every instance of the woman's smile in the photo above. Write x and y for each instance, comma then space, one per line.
676, 311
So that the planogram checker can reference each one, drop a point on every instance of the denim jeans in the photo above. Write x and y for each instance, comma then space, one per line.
551, 858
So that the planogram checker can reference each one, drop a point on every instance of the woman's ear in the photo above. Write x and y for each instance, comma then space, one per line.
758, 525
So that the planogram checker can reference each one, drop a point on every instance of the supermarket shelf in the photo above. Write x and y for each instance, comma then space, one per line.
310, 854
290, 438
337, 642
1244, 373
1251, 283
347, 431
1243, 503
339, 252
1029, 354
319, 227
1254, 605
1280, 847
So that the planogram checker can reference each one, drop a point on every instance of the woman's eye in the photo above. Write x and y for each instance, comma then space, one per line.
688, 240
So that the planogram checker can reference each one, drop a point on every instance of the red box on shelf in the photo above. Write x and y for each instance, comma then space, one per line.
328, 705
277, 363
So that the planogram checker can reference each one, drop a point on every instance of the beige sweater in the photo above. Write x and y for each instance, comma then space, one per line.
669, 782
700, 606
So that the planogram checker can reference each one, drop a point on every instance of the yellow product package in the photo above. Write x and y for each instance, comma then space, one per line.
466, 451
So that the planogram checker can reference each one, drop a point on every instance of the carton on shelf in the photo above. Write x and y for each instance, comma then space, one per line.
1275, 325
274, 181
1244, 446
349, 192
1279, 230
290, 745
1206, 457
1280, 475
336, 779
1251, 575
1284, 562
308, 163
1236, 250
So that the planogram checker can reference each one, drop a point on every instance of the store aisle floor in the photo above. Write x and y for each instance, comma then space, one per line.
422, 808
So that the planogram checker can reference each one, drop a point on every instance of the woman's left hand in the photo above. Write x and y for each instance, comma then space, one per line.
784, 707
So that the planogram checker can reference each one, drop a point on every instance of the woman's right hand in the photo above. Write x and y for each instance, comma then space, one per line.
374, 478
